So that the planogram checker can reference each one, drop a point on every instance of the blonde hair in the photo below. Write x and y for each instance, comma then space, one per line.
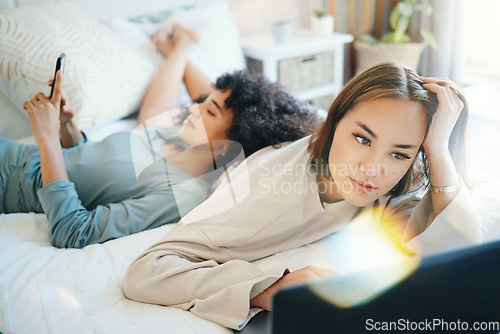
391, 80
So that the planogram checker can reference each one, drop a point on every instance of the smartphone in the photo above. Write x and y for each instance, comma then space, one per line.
60, 62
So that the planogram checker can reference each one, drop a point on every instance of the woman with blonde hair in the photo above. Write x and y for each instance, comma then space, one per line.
387, 135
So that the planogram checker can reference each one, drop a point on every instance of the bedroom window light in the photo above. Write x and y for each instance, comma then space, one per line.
481, 47
481, 77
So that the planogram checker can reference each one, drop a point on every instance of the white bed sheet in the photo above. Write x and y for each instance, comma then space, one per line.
48, 290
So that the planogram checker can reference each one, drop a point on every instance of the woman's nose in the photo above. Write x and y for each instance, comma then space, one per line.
194, 109
372, 166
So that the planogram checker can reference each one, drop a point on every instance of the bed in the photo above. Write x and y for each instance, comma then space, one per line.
48, 290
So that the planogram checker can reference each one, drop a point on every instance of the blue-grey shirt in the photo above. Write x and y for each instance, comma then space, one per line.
115, 189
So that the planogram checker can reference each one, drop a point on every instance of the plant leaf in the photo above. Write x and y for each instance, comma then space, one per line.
406, 39
319, 13
401, 29
424, 8
368, 39
429, 37
388, 37
394, 18
404, 8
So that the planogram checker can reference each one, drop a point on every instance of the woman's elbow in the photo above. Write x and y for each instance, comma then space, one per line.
139, 286
66, 241
147, 282
134, 286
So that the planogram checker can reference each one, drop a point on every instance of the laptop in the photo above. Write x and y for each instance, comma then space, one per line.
451, 292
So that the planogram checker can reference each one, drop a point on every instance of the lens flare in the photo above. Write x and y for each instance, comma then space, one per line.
374, 259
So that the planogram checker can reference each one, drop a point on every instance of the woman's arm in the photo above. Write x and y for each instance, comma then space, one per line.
198, 85
69, 132
73, 226
188, 271
44, 119
442, 171
163, 94
412, 217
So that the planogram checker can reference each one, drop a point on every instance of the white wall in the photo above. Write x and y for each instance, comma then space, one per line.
109, 8
250, 15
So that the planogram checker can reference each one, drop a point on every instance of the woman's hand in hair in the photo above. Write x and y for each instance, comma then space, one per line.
442, 170
448, 110
301, 276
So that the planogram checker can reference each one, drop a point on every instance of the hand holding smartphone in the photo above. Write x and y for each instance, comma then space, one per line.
60, 63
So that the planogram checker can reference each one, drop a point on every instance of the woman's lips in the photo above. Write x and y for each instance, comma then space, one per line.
187, 122
362, 187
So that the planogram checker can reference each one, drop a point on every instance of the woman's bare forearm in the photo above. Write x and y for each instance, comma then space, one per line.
70, 134
52, 162
442, 173
197, 83
163, 94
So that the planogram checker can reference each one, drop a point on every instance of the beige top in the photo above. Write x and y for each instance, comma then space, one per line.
204, 263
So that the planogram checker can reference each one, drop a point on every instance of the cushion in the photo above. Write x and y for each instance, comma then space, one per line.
105, 79
13, 124
219, 49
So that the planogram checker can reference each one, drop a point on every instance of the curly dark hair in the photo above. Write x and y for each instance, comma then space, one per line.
263, 114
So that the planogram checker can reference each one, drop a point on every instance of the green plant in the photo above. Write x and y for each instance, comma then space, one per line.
399, 21
319, 13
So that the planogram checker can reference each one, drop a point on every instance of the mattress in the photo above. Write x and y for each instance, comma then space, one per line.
44, 289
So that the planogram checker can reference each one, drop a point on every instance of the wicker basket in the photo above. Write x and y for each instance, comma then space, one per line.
322, 102
301, 73
406, 54
254, 64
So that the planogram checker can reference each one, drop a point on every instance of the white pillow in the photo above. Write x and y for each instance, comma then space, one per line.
105, 79
218, 51
13, 124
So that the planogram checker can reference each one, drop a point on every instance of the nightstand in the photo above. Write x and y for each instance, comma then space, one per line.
309, 67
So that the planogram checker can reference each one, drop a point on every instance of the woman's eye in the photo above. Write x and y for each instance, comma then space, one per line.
362, 140
211, 113
399, 156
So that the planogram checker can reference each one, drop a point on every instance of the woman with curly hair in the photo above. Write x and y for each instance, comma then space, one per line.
388, 133
136, 180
